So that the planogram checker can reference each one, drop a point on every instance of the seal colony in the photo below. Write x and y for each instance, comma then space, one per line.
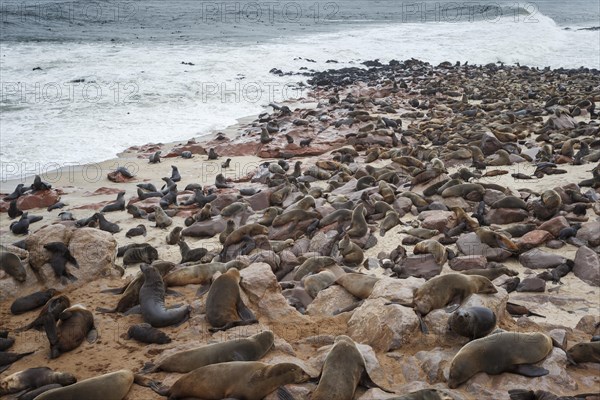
373, 246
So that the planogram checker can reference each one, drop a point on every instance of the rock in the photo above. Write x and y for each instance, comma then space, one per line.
147, 204
419, 266
501, 216
532, 285
455, 201
533, 239
587, 266
554, 225
470, 245
560, 335
490, 144
396, 289
590, 232
329, 300
94, 250
259, 201
433, 363
118, 177
321, 241
555, 244
564, 121
39, 199
264, 293
463, 263
538, 259
402, 204
491, 196
38, 255
382, 327
438, 220
588, 324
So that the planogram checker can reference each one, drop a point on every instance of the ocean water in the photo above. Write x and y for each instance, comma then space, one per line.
81, 81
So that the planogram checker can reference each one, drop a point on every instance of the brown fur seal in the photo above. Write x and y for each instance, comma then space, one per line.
152, 301
140, 254
472, 322
11, 264
341, 215
358, 285
312, 265
112, 386
252, 348
501, 352
75, 324
174, 235
268, 216
131, 292
314, 283
343, 370
246, 230
249, 380
358, 227
31, 301
496, 239
433, 247
390, 220
162, 219
224, 305
510, 202
188, 254
199, 273
469, 191
228, 229
491, 273
294, 216
145, 333
585, 352
34, 378
51, 310
352, 254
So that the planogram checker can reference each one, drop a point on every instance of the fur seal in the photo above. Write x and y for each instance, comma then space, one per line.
31, 301
6, 343
117, 205
11, 264
510, 202
390, 220
472, 322
152, 301
343, 370
352, 254
496, 239
175, 175
13, 210
358, 227
112, 386
145, 333
314, 283
106, 225
312, 265
154, 158
212, 154
250, 380
59, 259
246, 230
20, 227
139, 230
469, 191
188, 254
227, 231
199, 273
146, 254
174, 235
491, 272
224, 305
162, 219
226, 163
585, 352
34, 378
75, 324
358, 285
433, 247
6, 359
501, 352
252, 348
221, 182
51, 310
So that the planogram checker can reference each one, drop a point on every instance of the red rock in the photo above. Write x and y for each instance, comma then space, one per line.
118, 177
193, 148
500, 216
148, 204
587, 266
4, 205
260, 200
92, 206
438, 220
39, 199
463, 263
533, 239
102, 191
554, 225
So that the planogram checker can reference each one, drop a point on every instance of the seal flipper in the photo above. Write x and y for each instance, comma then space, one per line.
174, 293
528, 370
244, 312
349, 308
367, 381
119, 290
521, 394
157, 387
4, 368
92, 335
422, 324
148, 368
134, 310
202, 290
284, 394
102, 310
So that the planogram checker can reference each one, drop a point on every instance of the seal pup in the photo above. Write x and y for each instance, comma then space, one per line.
155, 158
250, 380
224, 305
190, 255
75, 324
226, 163
39, 185
135, 211
175, 175
145, 333
252, 348
501, 352
137, 254
6, 359
174, 236
106, 225
31, 301
13, 210
117, 205
343, 370
152, 301
139, 230
221, 182
584, 352
352, 254
20, 227
34, 378
162, 219
59, 259
53, 308
18, 192
472, 322
358, 227
212, 154
111, 386
11, 264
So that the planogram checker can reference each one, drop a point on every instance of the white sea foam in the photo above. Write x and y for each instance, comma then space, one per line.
140, 93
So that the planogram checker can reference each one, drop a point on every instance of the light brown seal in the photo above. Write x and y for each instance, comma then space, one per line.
358, 227
358, 285
34, 378
252, 348
501, 352
352, 254
75, 324
112, 386
433, 247
584, 352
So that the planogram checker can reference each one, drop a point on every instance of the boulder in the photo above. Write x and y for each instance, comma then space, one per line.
533, 239
501, 216
554, 225
383, 327
463, 263
590, 233
419, 266
470, 245
438, 220
330, 300
39, 199
587, 266
538, 259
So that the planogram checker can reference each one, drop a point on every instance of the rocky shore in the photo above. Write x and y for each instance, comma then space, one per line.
387, 177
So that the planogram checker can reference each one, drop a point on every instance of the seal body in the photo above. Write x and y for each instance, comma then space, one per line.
152, 301
585, 352
145, 333
224, 306
498, 353
112, 386
472, 322
31, 301
11, 264
73, 327
252, 348
250, 380
34, 378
